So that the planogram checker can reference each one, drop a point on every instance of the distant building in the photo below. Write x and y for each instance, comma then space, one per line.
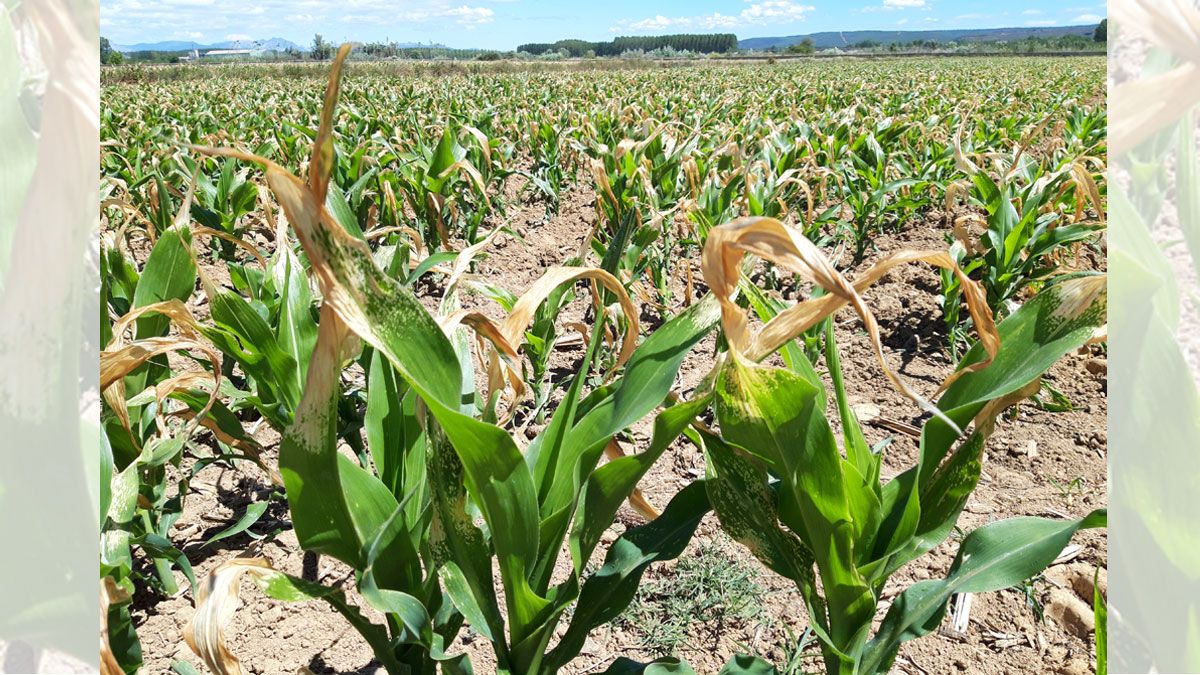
231, 53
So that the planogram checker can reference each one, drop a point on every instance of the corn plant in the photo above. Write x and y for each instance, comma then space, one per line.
222, 204
151, 413
548, 175
407, 528
140, 449
875, 199
781, 485
444, 189
1023, 237
1028, 236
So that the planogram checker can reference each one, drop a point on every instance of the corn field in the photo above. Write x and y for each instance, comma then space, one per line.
467, 362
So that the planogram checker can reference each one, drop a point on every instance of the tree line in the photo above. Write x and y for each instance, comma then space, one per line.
717, 43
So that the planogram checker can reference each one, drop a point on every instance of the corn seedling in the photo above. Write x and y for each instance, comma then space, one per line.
832, 512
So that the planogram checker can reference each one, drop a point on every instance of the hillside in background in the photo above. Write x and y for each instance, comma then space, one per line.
275, 44
844, 39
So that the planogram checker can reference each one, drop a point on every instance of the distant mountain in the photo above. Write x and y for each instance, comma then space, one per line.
167, 46
844, 39
276, 44
273, 44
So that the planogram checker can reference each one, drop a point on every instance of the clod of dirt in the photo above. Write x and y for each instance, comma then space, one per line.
1072, 614
1084, 585
1081, 578
1097, 366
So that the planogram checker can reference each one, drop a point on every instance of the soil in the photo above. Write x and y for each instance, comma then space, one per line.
1039, 463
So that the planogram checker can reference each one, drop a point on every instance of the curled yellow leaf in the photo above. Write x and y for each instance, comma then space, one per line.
770, 240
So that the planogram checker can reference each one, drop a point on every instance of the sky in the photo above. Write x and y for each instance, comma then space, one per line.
504, 24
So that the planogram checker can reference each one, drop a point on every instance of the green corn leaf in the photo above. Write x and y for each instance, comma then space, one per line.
160, 548
772, 414
122, 637
550, 463
226, 421
394, 434
857, 450
287, 588
901, 508
464, 598
647, 379
439, 258
1060, 318
648, 376
1188, 174
106, 477
398, 604
611, 484
167, 275
253, 512
459, 548
742, 664
183, 668
249, 340
610, 590
296, 333
337, 205
995, 556
668, 665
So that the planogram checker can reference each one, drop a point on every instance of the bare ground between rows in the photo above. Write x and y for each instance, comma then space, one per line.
1039, 463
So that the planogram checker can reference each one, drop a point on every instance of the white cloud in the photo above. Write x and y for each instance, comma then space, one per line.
1031, 12
894, 5
238, 36
901, 22
1088, 18
376, 13
470, 16
758, 13
653, 23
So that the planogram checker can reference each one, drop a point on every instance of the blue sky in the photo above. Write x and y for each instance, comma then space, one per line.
503, 24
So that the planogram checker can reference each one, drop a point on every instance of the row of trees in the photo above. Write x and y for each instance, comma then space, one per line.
108, 55
1029, 45
392, 50
718, 43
